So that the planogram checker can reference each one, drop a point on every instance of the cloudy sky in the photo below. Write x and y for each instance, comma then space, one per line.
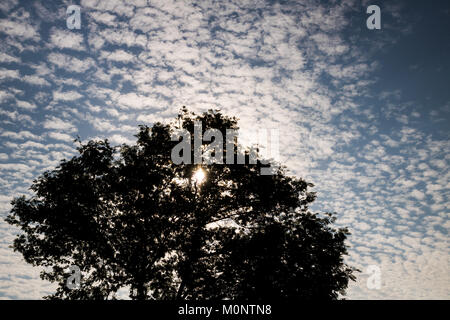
363, 114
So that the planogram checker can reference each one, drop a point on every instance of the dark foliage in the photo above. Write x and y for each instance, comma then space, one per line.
129, 217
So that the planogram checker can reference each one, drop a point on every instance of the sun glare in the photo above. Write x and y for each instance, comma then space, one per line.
199, 176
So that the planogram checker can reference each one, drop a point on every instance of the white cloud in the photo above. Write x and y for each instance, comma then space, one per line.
59, 124
118, 55
25, 105
119, 139
66, 39
103, 17
21, 135
36, 80
5, 6
66, 95
60, 136
136, 101
70, 63
418, 194
8, 74
4, 57
19, 29
264, 64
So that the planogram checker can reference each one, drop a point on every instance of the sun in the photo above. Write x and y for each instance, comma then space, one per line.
199, 176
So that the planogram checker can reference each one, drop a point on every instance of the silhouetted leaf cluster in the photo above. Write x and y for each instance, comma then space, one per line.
129, 217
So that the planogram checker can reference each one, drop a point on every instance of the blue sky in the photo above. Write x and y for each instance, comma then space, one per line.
363, 114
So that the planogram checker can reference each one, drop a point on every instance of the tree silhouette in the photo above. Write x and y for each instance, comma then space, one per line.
129, 217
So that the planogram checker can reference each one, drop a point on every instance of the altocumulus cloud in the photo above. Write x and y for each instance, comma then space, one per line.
360, 115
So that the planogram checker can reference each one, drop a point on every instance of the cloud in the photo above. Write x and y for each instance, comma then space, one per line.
25, 105
136, 101
65, 39
66, 96
103, 17
6, 74
60, 136
6, 58
375, 153
119, 139
59, 124
22, 135
70, 63
6, 6
19, 29
118, 55
36, 80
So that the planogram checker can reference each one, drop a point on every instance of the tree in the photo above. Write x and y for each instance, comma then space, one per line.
128, 216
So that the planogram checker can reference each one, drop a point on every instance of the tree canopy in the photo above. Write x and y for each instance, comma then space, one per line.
129, 217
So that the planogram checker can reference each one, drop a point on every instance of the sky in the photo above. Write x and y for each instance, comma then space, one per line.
363, 114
